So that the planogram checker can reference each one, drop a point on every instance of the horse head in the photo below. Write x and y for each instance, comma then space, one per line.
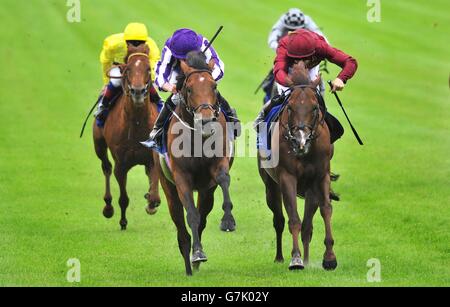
137, 74
200, 90
303, 112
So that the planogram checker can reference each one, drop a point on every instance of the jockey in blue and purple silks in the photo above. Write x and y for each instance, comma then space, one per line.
168, 69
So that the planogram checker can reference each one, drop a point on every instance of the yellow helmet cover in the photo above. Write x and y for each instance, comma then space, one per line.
135, 32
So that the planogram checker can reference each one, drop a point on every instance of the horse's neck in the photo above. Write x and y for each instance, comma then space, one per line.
134, 115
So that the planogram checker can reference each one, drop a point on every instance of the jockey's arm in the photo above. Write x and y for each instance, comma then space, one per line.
312, 26
154, 56
219, 66
343, 60
281, 64
106, 61
276, 33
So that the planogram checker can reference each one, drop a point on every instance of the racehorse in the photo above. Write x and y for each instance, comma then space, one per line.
198, 108
302, 139
128, 123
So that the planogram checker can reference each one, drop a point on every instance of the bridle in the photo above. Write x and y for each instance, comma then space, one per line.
292, 129
191, 110
128, 90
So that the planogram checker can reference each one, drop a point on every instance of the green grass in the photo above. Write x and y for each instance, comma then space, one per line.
395, 194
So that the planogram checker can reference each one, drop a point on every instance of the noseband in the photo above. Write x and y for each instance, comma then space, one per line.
215, 108
291, 129
128, 90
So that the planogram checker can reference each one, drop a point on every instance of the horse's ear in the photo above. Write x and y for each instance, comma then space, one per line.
211, 64
185, 67
317, 81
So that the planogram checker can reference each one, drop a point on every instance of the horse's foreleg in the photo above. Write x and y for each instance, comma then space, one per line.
222, 178
205, 203
177, 215
273, 199
153, 199
185, 193
288, 185
311, 205
121, 175
102, 153
329, 258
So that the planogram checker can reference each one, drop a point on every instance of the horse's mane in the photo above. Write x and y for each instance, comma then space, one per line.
299, 74
197, 60
142, 48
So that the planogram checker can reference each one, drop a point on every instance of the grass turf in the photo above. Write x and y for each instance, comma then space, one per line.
395, 195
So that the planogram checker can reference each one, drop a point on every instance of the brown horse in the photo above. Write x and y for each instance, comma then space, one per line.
199, 172
302, 140
128, 123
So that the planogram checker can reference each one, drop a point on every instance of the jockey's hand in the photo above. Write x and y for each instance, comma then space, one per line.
337, 85
169, 88
288, 82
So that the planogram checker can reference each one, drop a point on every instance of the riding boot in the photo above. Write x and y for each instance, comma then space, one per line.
231, 114
276, 100
155, 135
268, 86
335, 127
109, 93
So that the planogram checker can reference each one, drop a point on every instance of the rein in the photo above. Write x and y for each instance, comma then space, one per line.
192, 111
124, 71
291, 129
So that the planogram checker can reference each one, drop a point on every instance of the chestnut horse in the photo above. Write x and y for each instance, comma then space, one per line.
128, 123
302, 140
198, 108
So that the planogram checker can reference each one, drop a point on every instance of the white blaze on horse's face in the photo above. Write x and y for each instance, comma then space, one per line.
303, 140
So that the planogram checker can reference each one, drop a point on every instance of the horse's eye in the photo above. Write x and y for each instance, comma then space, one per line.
189, 91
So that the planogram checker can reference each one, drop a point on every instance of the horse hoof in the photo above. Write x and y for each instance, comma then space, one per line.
108, 212
151, 210
296, 264
279, 260
198, 256
196, 266
228, 224
123, 225
329, 265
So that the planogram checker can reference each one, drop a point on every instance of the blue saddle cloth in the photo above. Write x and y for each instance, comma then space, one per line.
265, 129
163, 149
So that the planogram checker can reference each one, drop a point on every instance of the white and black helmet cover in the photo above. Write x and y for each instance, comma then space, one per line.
294, 19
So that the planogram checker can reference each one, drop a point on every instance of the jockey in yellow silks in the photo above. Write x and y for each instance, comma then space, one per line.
115, 49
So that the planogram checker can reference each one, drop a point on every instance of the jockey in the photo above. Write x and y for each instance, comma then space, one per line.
115, 49
168, 69
307, 46
292, 20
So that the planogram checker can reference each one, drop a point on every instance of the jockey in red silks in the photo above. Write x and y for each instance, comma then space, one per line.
311, 48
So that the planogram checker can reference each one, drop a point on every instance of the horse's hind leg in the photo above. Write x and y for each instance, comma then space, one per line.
311, 205
153, 199
222, 178
102, 153
121, 175
205, 203
329, 258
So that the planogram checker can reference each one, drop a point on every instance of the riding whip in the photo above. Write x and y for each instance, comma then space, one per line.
87, 117
212, 39
346, 116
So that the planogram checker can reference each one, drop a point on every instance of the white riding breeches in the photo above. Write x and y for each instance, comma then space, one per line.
313, 74
116, 75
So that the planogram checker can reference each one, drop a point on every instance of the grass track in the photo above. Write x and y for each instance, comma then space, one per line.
395, 191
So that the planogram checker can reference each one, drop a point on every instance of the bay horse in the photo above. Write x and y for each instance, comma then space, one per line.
302, 140
129, 122
199, 107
